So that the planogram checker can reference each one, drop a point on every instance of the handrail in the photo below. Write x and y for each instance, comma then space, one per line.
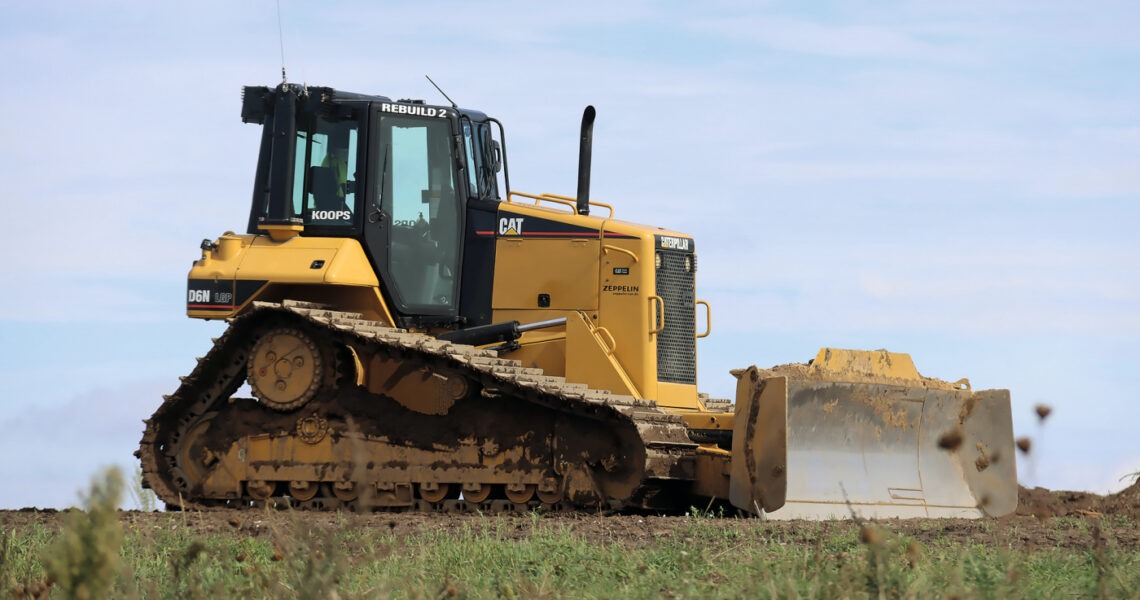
575, 201
537, 199
658, 316
609, 340
606, 248
708, 319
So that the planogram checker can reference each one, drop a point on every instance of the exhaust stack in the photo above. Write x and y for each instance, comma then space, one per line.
584, 152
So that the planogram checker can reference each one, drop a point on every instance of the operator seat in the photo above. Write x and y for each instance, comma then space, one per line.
326, 189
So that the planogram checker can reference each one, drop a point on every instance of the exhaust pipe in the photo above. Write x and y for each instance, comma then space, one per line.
584, 150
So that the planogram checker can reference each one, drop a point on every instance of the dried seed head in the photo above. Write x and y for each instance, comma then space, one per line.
870, 535
1024, 445
950, 440
913, 553
1043, 410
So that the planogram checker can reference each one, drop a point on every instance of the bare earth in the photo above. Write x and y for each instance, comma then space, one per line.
1044, 519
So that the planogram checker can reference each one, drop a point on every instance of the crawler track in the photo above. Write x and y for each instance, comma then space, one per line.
517, 438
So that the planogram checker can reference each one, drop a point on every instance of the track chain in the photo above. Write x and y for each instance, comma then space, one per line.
221, 372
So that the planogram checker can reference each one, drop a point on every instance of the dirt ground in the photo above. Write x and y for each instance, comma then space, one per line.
1044, 519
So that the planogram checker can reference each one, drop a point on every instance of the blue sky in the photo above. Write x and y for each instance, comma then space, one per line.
959, 182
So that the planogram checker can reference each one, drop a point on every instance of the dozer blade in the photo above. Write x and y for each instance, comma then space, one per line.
862, 434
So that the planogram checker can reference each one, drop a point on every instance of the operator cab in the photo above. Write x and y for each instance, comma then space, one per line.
402, 177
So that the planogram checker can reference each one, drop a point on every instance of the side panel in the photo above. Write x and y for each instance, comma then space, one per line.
560, 274
238, 270
338, 261
627, 309
591, 358
478, 272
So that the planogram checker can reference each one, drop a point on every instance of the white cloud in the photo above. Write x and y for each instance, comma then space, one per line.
854, 41
64, 446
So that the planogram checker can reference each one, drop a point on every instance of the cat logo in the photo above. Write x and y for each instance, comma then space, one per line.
511, 225
672, 243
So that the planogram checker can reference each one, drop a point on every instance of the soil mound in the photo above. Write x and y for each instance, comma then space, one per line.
1042, 503
1125, 502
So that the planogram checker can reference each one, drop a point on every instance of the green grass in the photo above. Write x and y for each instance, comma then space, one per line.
700, 560
538, 557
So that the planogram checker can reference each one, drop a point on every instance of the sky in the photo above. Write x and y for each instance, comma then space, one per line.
958, 181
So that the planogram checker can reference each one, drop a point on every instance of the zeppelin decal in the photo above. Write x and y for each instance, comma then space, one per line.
621, 290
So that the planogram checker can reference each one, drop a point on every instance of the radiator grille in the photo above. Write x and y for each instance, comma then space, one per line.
677, 344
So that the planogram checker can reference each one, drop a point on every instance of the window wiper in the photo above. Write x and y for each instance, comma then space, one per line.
378, 203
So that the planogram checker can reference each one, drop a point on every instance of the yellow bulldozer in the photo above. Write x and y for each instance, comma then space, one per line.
415, 335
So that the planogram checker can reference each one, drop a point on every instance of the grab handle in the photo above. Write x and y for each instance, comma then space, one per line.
658, 315
607, 338
708, 319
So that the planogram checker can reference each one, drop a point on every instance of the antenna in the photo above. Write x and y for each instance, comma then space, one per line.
453, 104
281, 37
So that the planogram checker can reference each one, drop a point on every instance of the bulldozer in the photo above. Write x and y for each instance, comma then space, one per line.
413, 334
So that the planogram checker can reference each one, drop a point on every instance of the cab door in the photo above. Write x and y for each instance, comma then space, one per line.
413, 232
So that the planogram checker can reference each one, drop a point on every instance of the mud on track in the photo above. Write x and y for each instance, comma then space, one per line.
1045, 519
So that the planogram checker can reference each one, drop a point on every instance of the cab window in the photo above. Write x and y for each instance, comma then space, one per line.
324, 182
421, 206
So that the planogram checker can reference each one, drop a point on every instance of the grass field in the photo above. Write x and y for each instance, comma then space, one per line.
103, 552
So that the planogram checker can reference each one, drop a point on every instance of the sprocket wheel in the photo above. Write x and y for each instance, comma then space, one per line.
286, 369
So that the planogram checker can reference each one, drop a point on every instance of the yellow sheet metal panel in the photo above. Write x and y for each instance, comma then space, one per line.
866, 362
564, 271
543, 349
280, 233
713, 469
247, 268
677, 395
625, 306
307, 260
708, 421
591, 358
